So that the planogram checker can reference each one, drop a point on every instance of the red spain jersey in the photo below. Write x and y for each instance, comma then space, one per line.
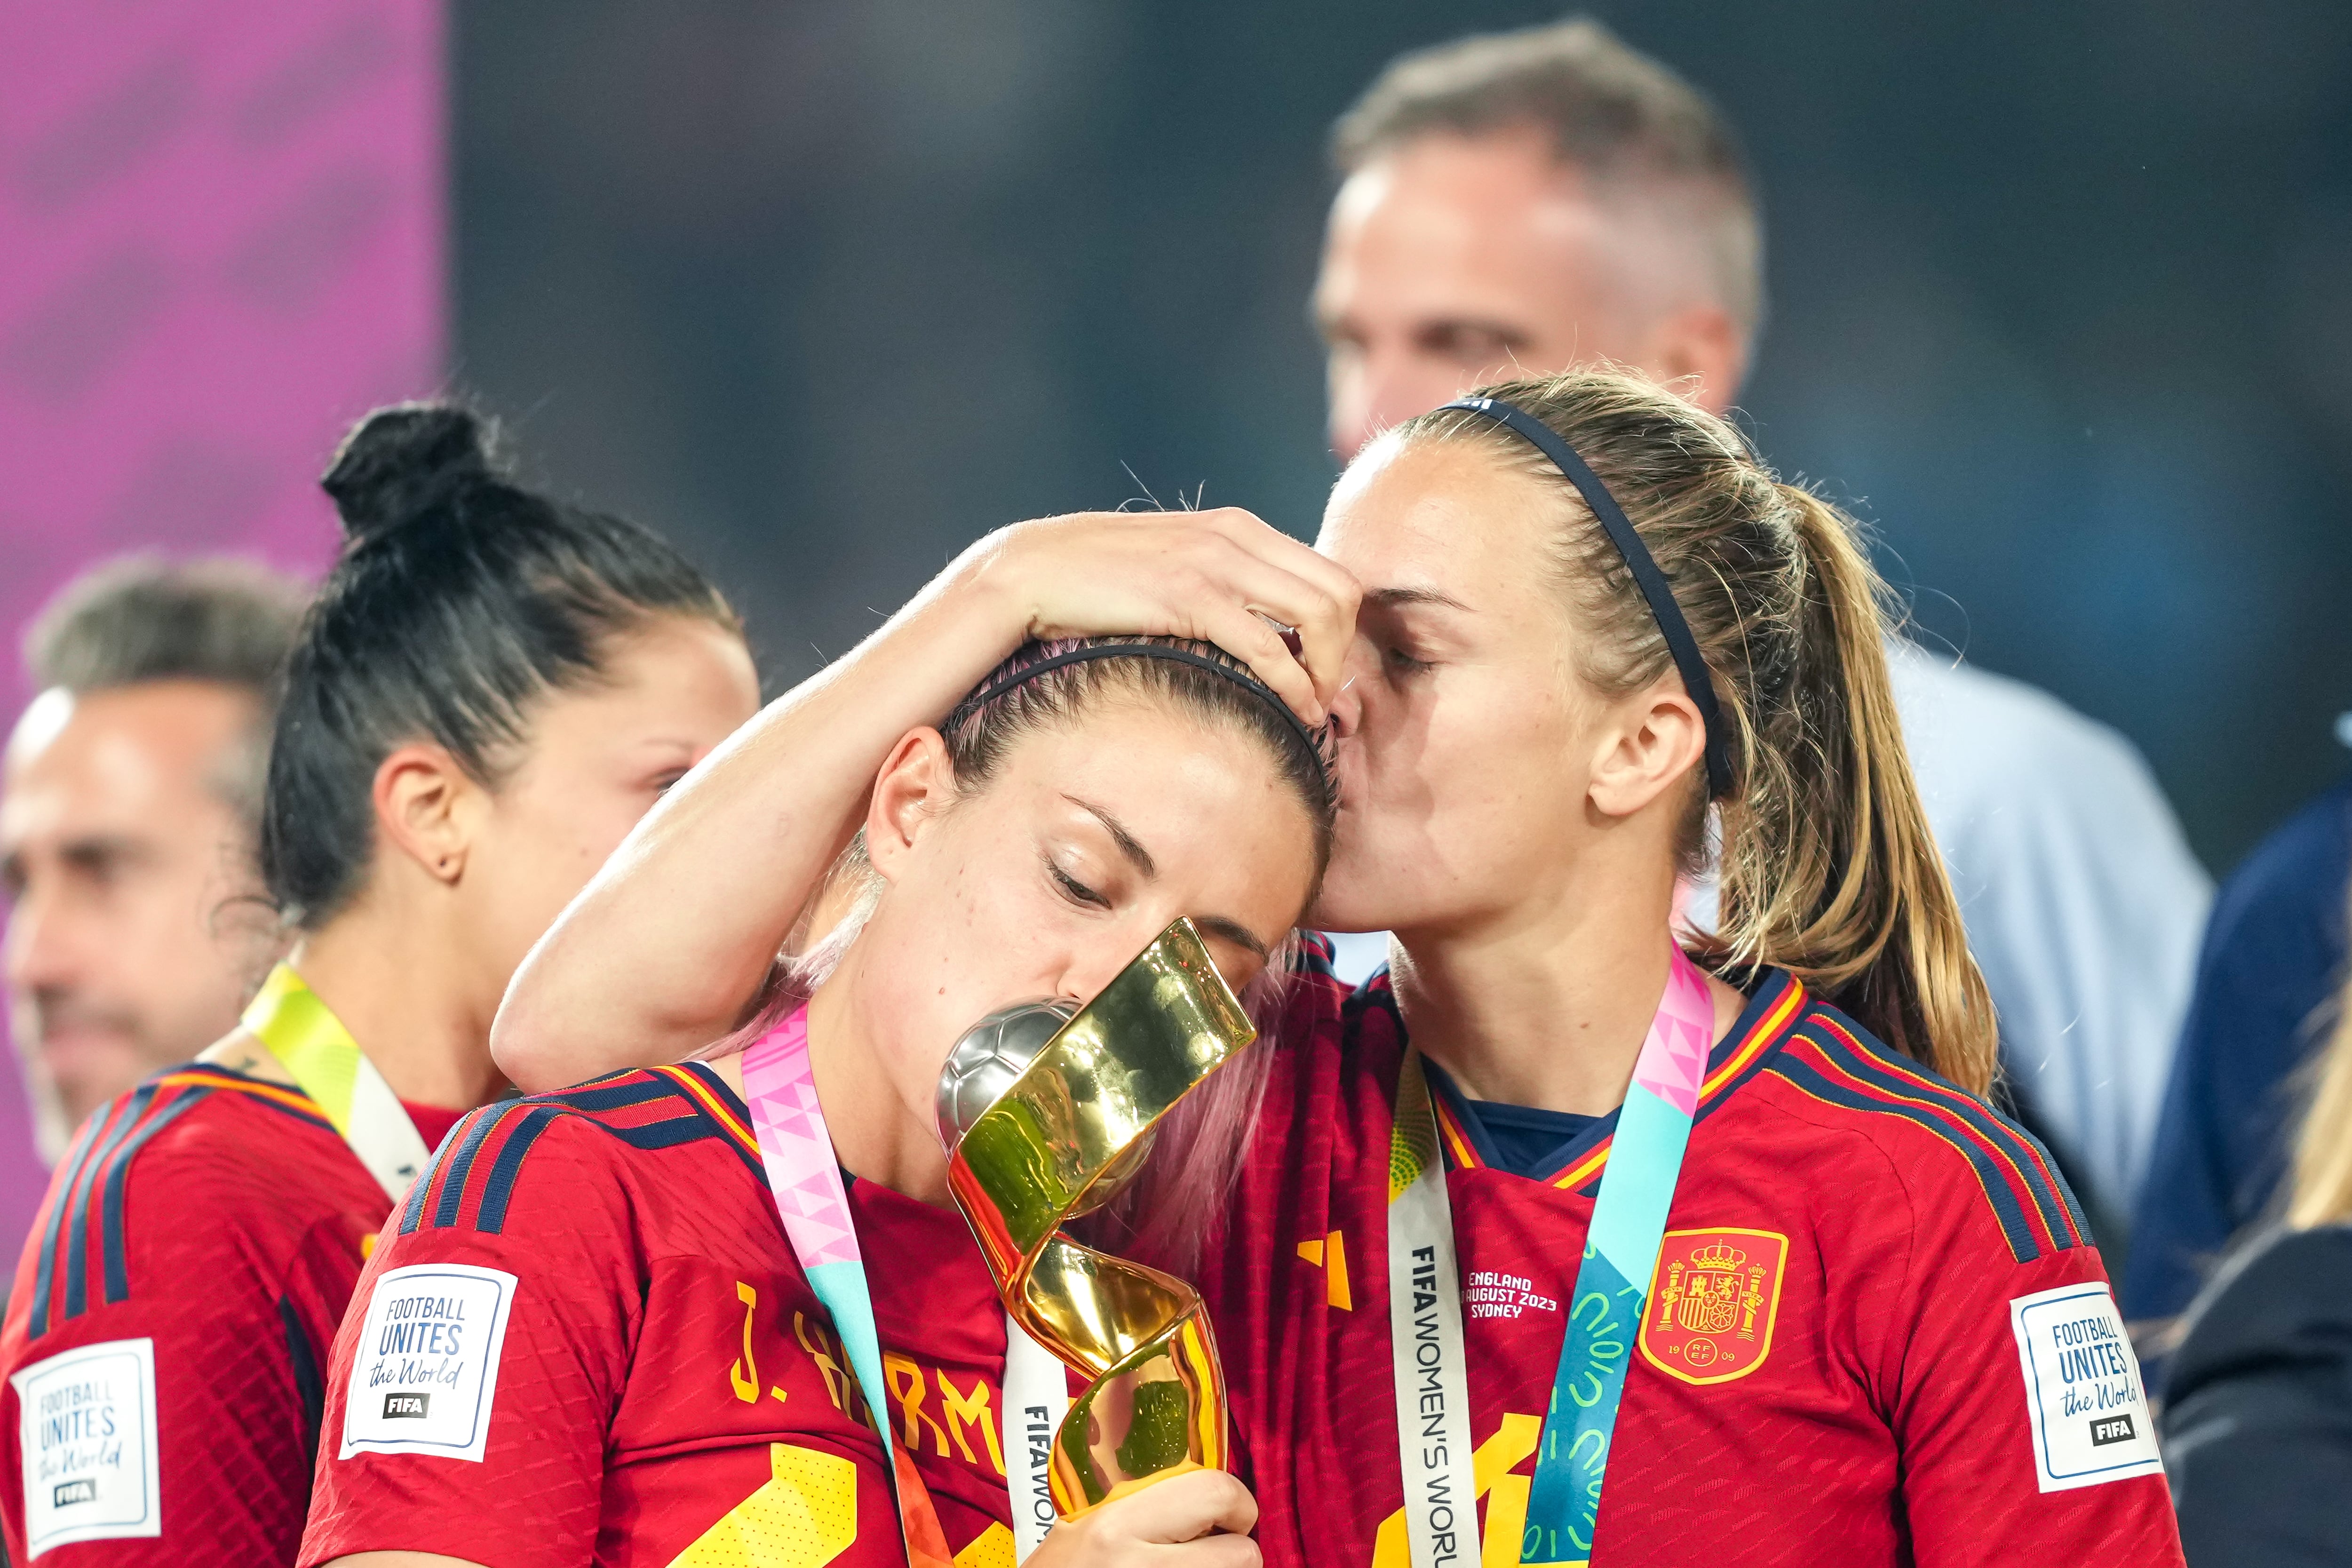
1876, 1334
169, 1325
587, 1340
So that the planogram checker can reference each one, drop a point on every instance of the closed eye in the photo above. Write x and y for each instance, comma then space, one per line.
1077, 892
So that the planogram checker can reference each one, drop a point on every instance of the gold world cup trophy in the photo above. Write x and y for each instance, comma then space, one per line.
1045, 1113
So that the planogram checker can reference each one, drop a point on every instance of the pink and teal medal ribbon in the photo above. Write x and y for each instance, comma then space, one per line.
805, 1178
1621, 1253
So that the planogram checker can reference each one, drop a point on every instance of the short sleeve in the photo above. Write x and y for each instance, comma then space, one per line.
475, 1376
2018, 1408
146, 1422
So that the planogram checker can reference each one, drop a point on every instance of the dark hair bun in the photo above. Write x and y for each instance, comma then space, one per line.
400, 462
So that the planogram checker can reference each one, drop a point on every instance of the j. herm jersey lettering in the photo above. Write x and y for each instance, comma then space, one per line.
669, 1385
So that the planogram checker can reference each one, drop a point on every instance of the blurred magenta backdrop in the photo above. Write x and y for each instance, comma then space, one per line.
220, 240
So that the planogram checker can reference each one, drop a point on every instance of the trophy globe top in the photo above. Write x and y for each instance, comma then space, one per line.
992, 1054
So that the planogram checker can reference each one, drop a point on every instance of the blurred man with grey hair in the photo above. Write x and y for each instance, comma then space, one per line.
130, 802
1519, 201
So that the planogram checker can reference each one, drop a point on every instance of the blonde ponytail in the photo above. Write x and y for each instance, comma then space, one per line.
1827, 868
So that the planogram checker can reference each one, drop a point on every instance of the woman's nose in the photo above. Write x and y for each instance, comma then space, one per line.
1087, 974
1347, 706
1086, 977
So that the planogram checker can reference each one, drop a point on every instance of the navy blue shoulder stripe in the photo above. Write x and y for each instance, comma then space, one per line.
455, 1165
452, 1164
61, 1188
490, 1216
2060, 1214
518, 1125
97, 1168
669, 1134
116, 1246
2014, 1229
77, 1288
307, 1117
637, 1089
460, 1167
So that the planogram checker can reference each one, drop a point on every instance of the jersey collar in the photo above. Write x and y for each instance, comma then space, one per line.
286, 1097
1772, 1011
702, 1086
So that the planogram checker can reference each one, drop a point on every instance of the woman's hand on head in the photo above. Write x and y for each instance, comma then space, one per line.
675, 936
1200, 1518
1218, 576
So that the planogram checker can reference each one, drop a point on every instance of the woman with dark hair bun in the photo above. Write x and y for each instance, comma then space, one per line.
491, 688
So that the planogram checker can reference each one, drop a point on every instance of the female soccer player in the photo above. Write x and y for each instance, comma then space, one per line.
489, 690
590, 1337
1558, 1229
1554, 1230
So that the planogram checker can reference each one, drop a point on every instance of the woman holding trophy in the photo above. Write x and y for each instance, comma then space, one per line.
589, 1338
1722, 1221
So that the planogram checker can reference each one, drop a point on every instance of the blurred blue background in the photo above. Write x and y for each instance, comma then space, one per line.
2062, 301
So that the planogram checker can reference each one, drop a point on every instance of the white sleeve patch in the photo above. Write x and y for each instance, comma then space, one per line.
426, 1371
2083, 1389
88, 1436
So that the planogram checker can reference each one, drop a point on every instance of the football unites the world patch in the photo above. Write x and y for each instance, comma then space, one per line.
88, 1442
2082, 1391
426, 1371
1713, 1303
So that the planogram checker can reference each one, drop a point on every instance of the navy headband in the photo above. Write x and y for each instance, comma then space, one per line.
1239, 677
1646, 576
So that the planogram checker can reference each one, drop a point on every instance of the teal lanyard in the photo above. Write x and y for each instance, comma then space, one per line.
1621, 1251
1605, 1313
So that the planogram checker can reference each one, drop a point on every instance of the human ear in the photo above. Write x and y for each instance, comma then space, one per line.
915, 783
1702, 346
425, 807
1655, 740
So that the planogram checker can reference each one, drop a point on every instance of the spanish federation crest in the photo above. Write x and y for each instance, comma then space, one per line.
1713, 1303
